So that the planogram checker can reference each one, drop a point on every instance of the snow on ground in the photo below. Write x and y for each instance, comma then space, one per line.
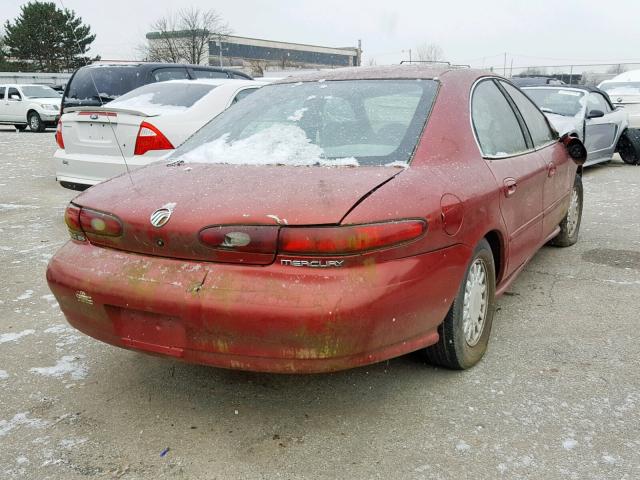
12, 337
67, 365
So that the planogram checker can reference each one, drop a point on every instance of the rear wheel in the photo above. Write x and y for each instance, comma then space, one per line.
570, 224
629, 146
464, 334
35, 122
20, 128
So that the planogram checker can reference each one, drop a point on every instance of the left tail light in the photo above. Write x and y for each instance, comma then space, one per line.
349, 239
150, 138
82, 222
59, 139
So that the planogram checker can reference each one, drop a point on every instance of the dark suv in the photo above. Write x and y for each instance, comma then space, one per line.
95, 85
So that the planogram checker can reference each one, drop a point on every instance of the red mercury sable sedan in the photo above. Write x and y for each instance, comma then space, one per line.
326, 222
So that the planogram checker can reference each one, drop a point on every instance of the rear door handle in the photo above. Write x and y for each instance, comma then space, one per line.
551, 169
510, 186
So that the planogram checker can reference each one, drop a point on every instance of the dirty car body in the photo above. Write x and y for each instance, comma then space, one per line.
323, 223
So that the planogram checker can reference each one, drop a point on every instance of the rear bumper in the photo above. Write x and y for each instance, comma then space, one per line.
90, 169
273, 319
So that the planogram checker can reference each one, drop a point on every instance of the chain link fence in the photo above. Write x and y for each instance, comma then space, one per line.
587, 74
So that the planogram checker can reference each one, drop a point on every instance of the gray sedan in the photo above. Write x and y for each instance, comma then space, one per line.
588, 112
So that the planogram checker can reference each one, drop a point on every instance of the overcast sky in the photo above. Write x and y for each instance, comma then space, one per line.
536, 32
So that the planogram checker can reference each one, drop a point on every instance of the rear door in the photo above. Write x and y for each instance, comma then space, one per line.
559, 178
600, 133
518, 169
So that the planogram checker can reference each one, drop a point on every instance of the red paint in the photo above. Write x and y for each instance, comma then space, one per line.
176, 291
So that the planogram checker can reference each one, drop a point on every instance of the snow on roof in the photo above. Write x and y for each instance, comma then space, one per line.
630, 76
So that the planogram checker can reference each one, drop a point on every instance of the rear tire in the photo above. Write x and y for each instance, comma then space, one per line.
464, 333
35, 122
20, 128
570, 224
629, 146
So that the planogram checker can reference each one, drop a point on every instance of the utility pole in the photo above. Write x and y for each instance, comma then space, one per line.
409, 55
504, 70
220, 48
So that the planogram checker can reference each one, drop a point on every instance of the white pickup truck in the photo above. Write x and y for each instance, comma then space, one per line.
35, 106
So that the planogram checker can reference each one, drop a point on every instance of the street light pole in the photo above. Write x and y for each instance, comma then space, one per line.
220, 48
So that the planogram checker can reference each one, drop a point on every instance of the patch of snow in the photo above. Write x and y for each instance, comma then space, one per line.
27, 294
70, 443
18, 420
397, 164
68, 364
297, 115
15, 206
3, 375
12, 337
277, 145
569, 444
462, 446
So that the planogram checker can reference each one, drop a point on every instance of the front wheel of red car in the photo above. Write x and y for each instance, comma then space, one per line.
464, 334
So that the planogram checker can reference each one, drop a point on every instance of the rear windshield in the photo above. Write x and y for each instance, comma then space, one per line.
98, 85
166, 96
39, 91
351, 122
621, 88
557, 100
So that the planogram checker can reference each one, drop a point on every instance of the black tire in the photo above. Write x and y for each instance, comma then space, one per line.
20, 128
453, 350
629, 146
35, 122
570, 225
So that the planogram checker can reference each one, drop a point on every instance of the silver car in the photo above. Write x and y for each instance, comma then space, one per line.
589, 113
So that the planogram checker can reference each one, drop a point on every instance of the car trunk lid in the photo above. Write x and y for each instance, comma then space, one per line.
199, 196
110, 132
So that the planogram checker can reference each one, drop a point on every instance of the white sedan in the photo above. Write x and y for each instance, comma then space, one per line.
37, 106
140, 127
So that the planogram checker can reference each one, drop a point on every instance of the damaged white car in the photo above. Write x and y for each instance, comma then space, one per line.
589, 113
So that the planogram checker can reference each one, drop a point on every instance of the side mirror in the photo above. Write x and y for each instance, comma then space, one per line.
575, 148
15, 96
595, 114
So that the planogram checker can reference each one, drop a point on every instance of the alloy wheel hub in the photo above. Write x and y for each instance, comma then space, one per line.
474, 312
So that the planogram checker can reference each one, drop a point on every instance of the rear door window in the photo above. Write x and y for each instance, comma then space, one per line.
164, 74
204, 73
496, 125
2, 89
541, 133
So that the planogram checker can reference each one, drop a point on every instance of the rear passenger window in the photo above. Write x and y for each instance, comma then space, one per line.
539, 129
164, 74
496, 126
198, 73
2, 92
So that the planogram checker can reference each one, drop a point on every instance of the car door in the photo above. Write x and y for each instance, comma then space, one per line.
518, 169
557, 182
14, 111
600, 130
3, 103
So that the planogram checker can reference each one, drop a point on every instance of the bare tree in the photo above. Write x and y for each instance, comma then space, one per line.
429, 52
372, 62
183, 36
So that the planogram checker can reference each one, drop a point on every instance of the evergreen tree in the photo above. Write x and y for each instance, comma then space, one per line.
48, 38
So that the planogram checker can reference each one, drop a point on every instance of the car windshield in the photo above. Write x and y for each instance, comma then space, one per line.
350, 122
166, 96
621, 88
557, 100
39, 91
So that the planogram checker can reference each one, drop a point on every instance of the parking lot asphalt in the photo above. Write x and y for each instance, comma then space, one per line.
556, 397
